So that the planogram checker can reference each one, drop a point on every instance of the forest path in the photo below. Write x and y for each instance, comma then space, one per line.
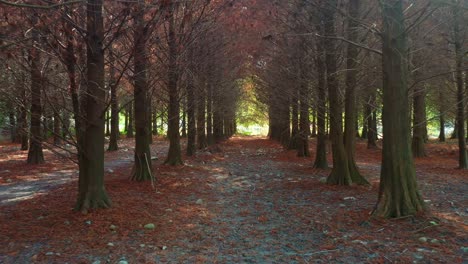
245, 200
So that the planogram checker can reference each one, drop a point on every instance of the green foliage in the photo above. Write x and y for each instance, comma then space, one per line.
251, 113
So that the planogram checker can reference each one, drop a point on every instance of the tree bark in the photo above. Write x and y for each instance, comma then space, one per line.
321, 148
191, 105
174, 156
293, 143
142, 169
35, 154
419, 122
201, 111
350, 101
303, 133
459, 57
91, 191
114, 129
130, 116
398, 194
340, 173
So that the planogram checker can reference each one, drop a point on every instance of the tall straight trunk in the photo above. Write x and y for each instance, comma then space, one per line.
217, 116
12, 119
57, 128
398, 194
365, 118
454, 134
201, 111
65, 124
303, 133
441, 125
23, 120
191, 105
184, 119
174, 156
459, 57
321, 148
35, 154
142, 164
294, 119
314, 123
154, 119
91, 191
340, 173
114, 122
149, 114
70, 62
350, 101
371, 123
419, 122
130, 120
107, 133
209, 115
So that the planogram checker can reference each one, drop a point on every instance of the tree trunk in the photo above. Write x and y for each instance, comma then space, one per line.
174, 156
398, 194
114, 129
340, 173
35, 154
23, 120
130, 120
201, 111
57, 128
459, 57
11, 117
192, 130
142, 169
107, 124
209, 115
441, 126
321, 148
303, 133
91, 191
419, 122
350, 101
365, 118
371, 123
314, 123
293, 143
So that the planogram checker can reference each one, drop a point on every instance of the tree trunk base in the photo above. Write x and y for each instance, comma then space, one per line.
92, 199
142, 169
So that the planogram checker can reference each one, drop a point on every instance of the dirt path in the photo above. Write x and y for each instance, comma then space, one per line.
245, 201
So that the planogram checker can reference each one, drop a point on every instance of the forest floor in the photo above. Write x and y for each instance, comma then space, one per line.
243, 201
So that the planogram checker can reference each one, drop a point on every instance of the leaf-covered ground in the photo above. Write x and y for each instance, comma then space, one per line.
243, 201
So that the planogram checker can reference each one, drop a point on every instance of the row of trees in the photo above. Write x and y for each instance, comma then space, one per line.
77, 65
326, 58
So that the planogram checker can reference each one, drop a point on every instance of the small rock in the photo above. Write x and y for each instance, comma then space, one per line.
110, 170
435, 241
464, 249
112, 227
350, 198
427, 201
342, 205
257, 176
88, 222
142, 245
323, 180
150, 226
49, 254
40, 217
110, 244
168, 210
154, 158
97, 262
123, 261
163, 247
8, 180
423, 239
418, 256
199, 201
66, 222
57, 254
